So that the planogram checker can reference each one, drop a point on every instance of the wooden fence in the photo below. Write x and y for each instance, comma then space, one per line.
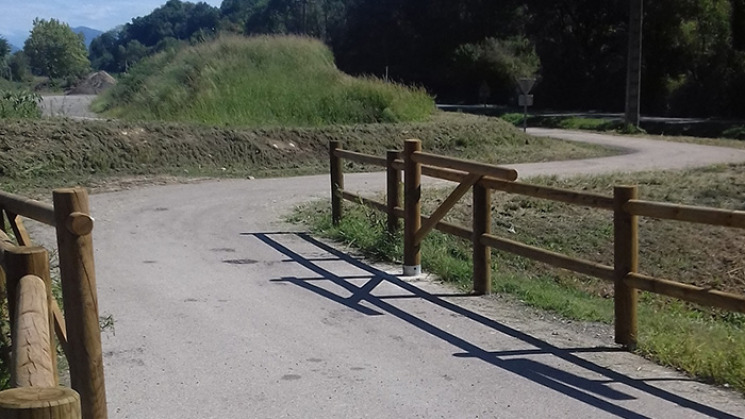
36, 319
482, 179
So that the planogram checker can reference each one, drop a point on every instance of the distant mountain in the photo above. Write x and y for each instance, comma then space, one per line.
14, 48
88, 33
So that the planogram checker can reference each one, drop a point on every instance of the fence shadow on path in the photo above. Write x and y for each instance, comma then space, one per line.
590, 391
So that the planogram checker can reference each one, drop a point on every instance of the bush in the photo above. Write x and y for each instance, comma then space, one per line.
19, 105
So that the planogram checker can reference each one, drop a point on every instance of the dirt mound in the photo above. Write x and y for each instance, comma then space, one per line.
93, 84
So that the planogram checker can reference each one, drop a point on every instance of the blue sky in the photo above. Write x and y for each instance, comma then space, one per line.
16, 17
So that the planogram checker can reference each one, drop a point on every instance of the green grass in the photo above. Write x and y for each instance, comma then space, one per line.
258, 81
706, 343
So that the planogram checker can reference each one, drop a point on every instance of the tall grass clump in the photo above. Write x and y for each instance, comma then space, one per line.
258, 81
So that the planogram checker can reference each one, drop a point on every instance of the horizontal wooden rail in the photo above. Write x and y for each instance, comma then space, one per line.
536, 191
448, 228
551, 258
687, 292
700, 215
360, 157
465, 165
452, 229
553, 194
437, 172
29, 208
380, 206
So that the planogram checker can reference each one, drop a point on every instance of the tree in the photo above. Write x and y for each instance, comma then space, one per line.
4, 54
4, 49
496, 64
19, 68
54, 50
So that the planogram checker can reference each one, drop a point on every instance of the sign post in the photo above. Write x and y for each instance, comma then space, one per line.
525, 99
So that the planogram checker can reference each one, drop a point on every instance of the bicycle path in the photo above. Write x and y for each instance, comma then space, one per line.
221, 309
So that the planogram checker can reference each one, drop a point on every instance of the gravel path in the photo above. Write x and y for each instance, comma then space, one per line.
223, 310
73, 106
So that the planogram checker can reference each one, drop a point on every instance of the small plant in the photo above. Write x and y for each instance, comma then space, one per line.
19, 105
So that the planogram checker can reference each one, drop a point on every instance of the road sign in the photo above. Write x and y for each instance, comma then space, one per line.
525, 85
525, 100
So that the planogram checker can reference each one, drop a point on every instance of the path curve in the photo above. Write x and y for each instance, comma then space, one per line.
220, 309
642, 153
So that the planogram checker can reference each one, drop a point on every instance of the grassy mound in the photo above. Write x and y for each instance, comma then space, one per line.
258, 81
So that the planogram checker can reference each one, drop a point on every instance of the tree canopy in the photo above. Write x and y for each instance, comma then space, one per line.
693, 54
54, 50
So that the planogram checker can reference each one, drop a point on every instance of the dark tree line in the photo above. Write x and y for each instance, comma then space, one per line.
693, 54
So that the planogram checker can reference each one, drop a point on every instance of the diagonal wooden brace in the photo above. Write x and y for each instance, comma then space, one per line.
446, 206
16, 224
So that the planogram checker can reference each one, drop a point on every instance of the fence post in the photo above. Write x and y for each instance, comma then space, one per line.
412, 209
393, 195
337, 182
30, 261
481, 253
33, 364
77, 271
40, 402
626, 260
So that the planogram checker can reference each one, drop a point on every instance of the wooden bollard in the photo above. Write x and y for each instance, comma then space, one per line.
412, 209
40, 403
481, 253
78, 275
337, 182
393, 196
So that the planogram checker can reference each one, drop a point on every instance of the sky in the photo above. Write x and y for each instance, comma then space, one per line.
17, 17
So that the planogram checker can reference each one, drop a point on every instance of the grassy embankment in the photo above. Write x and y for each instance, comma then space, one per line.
706, 343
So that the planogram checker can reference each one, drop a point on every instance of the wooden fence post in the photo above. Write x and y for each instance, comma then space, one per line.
30, 261
337, 182
626, 260
412, 209
481, 253
33, 361
393, 196
78, 275
39, 402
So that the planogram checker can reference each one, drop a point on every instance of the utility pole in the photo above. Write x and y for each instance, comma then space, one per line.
634, 61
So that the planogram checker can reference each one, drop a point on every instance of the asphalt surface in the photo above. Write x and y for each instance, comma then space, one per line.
221, 309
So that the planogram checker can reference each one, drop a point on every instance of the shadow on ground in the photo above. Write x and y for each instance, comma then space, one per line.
594, 392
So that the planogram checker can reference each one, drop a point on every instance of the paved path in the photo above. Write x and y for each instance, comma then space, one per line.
222, 310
